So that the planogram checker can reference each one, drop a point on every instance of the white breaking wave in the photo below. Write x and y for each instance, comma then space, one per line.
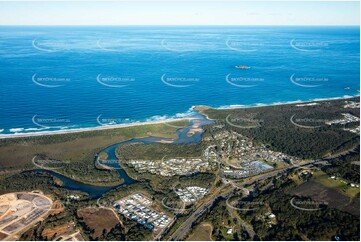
188, 114
26, 130
157, 118
35, 129
16, 130
334, 98
234, 106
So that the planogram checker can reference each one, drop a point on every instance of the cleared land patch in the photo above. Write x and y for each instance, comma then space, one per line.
20, 211
343, 187
202, 232
98, 219
334, 198
52, 233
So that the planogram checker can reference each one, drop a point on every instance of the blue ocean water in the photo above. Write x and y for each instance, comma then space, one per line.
56, 78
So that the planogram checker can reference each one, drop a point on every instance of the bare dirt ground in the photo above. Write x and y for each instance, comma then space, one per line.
98, 219
202, 232
20, 211
61, 230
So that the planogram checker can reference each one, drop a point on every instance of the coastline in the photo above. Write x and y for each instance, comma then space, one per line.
80, 130
236, 106
199, 108
202, 108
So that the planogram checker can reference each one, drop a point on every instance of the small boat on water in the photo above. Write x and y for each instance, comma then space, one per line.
242, 67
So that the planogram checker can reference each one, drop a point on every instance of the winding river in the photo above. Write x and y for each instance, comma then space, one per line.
112, 161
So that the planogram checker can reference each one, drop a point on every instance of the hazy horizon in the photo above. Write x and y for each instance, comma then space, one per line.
177, 13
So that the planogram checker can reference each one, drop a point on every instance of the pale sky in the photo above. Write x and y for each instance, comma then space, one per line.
179, 13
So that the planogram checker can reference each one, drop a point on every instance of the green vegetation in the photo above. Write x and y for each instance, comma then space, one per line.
295, 224
162, 189
289, 223
180, 220
221, 220
345, 188
344, 166
158, 151
78, 149
161, 183
31, 181
129, 231
330, 143
278, 132
136, 231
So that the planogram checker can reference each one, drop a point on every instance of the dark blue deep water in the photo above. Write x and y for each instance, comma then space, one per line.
55, 78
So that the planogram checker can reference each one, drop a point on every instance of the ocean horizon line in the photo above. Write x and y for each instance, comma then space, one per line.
164, 25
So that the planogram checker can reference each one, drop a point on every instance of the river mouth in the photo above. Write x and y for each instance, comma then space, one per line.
112, 161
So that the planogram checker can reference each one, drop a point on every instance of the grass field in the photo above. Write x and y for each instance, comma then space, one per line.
324, 179
333, 197
98, 219
202, 232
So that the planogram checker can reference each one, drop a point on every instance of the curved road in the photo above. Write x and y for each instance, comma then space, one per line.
181, 232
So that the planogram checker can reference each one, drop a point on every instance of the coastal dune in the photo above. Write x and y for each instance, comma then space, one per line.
105, 127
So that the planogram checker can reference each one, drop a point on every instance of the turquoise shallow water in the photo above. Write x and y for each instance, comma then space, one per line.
56, 78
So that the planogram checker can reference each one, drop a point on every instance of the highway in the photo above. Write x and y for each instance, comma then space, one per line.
170, 224
180, 233
184, 228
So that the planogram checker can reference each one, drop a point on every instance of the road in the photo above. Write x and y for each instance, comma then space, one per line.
165, 229
184, 228
170, 224
245, 225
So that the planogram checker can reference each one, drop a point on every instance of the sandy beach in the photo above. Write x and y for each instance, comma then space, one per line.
312, 102
105, 127
200, 109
